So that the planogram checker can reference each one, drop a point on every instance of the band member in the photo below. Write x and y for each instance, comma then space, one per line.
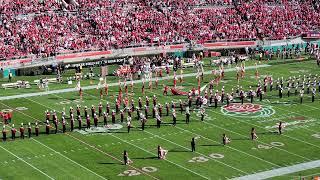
154, 110
280, 126
70, 111
78, 110
129, 123
118, 107
174, 117
241, 96
63, 125
228, 99
225, 139
100, 109
143, 121
95, 121
140, 102
313, 94
4, 133
253, 134
132, 105
146, 110
121, 116
301, 95
108, 108
37, 129
72, 122
93, 111
202, 113
105, 119
154, 100
79, 122
47, 115
29, 130
21, 131
13, 132
280, 91
158, 118
187, 115
147, 101
85, 111
113, 117
160, 110
88, 122
55, 122
251, 95
193, 145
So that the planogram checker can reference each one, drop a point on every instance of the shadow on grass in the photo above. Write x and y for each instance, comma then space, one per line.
211, 145
109, 163
151, 157
269, 133
179, 150
240, 139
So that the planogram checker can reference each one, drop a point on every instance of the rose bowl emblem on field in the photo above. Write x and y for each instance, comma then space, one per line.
247, 110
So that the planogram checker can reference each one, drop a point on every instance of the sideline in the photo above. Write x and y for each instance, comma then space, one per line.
114, 84
281, 171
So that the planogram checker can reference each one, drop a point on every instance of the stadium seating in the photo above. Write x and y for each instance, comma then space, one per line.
48, 27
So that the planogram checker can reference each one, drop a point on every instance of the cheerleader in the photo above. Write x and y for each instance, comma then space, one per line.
126, 159
301, 95
225, 139
162, 153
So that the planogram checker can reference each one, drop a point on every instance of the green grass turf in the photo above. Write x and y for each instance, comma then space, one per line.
76, 156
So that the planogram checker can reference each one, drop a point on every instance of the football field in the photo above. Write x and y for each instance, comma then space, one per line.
97, 153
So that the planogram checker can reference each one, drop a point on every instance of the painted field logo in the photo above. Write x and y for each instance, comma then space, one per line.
247, 110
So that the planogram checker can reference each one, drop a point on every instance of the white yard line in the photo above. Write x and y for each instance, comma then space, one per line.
68, 159
114, 84
27, 163
281, 171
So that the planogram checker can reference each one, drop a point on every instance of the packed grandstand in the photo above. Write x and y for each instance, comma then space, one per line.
45, 28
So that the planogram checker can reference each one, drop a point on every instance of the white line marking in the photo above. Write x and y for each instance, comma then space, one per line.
68, 158
281, 171
27, 163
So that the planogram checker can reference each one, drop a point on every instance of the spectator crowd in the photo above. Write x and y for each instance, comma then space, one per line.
45, 28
